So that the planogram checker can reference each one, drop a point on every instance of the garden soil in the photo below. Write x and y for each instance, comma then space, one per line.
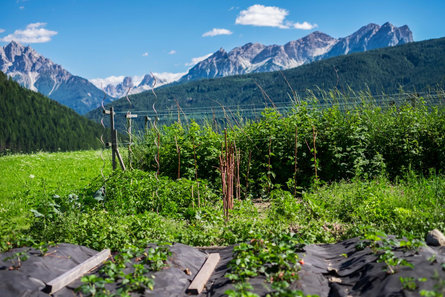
329, 270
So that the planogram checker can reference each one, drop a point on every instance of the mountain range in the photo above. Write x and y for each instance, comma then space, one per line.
414, 67
40, 74
256, 57
119, 86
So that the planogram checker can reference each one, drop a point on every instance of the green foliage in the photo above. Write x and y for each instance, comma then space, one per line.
133, 192
409, 207
141, 263
276, 259
378, 168
32, 122
31, 181
283, 206
331, 144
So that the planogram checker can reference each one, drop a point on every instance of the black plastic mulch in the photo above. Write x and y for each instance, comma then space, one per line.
331, 270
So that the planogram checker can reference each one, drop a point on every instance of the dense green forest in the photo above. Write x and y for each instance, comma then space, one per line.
31, 122
412, 67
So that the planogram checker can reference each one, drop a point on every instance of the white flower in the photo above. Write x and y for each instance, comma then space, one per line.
31, 176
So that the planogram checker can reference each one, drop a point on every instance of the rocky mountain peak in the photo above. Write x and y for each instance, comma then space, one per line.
148, 80
35, 72
12, 50
128, 82
256, 57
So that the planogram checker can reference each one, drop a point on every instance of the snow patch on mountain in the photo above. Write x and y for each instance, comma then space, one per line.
119, 86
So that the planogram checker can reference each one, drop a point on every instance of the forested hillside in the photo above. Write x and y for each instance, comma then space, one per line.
31, 122
418, 66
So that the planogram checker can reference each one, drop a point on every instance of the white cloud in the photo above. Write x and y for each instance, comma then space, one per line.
145, 54
270, 16
22, 7
264, 16
2, 30
197, 60
172, 52
216, 31
168, 76
305, 26
34, 33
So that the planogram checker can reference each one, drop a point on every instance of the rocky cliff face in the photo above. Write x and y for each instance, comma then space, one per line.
256, 57
40, 74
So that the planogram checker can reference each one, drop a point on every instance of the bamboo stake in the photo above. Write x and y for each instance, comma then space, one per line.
314, 134
196, 166
178, 150
269, 166
113, 139
295, 161
238, 183
193, 198
248, 171
158, 145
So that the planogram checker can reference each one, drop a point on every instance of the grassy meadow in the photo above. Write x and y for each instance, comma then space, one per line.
28, 179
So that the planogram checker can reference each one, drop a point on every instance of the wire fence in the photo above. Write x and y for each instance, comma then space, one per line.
230, 115
238, 113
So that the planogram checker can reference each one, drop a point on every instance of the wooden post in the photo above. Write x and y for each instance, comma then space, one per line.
314, 133
179, 115
113, 140
158, 144
129, 116
248, 171
295, 160
147, 118
269, 166
119, 157
178, 150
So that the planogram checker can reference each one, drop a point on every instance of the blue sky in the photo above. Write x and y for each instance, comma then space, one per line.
103, 38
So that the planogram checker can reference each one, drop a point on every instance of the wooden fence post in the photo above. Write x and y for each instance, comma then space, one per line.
113, 139
119, 157
129, 116
114, 149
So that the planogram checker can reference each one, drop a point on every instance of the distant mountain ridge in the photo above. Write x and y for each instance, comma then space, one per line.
413, 67
40, 74
256, 57
118, 87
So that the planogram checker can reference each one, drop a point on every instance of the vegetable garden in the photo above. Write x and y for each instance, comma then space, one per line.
319, 174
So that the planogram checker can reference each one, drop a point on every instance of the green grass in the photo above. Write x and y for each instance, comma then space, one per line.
132, 214
26, 180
